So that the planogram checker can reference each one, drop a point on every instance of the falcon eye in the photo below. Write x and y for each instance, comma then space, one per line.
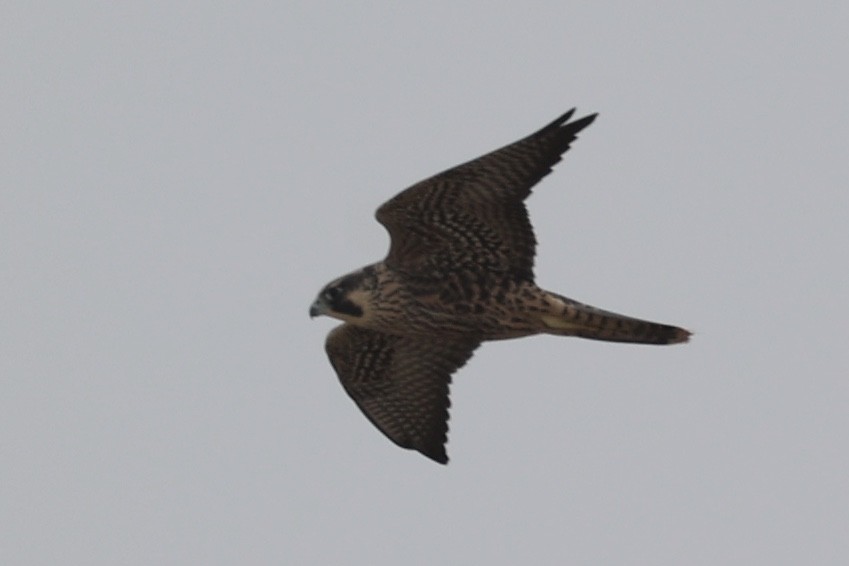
333, 293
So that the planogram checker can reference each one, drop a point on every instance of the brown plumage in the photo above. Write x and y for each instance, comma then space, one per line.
459, 271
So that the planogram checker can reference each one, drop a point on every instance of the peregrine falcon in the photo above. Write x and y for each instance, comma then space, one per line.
459, 271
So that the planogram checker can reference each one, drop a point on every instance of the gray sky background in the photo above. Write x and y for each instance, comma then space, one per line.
178, 181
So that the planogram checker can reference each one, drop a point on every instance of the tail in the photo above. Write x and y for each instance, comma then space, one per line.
571, 318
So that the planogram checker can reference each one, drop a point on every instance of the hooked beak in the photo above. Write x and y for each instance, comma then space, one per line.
316, 309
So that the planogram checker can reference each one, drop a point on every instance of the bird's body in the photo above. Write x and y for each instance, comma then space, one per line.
459, 272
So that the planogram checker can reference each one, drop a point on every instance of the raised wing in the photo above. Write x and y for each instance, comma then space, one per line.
472, 217
400, 383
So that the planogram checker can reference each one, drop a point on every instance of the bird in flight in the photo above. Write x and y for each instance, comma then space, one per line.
459, 271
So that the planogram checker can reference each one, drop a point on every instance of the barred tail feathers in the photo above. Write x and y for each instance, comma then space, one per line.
571, 318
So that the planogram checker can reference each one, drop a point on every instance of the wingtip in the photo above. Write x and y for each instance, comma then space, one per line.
563, 123
591, 117
440, 456
565, 117
582, 123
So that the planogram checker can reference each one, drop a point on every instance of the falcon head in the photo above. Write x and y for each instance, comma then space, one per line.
345, 298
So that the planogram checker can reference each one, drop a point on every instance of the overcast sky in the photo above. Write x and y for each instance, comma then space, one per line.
179, 180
